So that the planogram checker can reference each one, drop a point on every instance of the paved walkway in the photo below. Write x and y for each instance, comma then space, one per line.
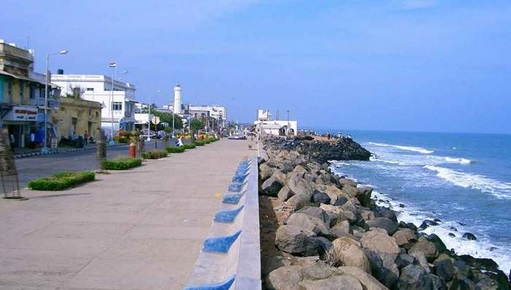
137, 229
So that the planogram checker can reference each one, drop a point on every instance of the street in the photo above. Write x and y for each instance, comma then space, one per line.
46, 165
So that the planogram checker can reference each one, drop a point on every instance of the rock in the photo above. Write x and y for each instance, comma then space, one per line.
350, 211
378, 240
324, 247
469, 236
335, 193
367, 215
414, 278
335, 213
300, 187
364, 195
422, 260
294, 240
284, 278
439, 244
316, 271
320, 197
347, 252
297, 202
269, 264
341, 228
284, 194
461, 282
367, 281
444, 269
438, 283
384, 268
271, 187
316, 212
341, 282
350, 191
460, 267
265, 171
425, 246
279, 175
300, 169
309, 223
347, 182
340, 201
427, 223
404, 260
383, 223
405, 238
487, 284
388, 213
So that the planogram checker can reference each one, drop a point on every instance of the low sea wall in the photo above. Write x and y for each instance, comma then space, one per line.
230, 257
329, 232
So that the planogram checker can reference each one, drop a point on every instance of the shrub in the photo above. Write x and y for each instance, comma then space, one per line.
154, 154
212, 139
180, 149
121, 163
199, 142
189, 146
62, 180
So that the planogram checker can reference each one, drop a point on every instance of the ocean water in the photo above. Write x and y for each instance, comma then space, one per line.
464, 180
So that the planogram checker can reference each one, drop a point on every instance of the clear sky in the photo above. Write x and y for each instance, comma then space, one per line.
412, 65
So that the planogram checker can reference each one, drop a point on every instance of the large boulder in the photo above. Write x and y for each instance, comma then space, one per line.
425, 246
271, 186
347, 182
320, 197
284, 278
350, 191
384, 268
284, 193
297, 241
335, 213
364, 195
316, 212
300, 187
405, 238
367, 281
341, 229
383, 223
415, 278
335, 193
378, 240
309, 223
265, 171
347, 252
444, 269
340, 282
297, 202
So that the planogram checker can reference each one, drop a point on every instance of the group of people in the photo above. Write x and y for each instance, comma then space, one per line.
338, 136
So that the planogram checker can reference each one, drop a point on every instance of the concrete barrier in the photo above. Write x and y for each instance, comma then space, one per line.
230, 257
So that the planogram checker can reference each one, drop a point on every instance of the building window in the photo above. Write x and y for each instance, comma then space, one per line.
116, 106
9, 91
32, 92
90, 89
22, 95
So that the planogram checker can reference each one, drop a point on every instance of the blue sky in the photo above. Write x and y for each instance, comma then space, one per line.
410, 65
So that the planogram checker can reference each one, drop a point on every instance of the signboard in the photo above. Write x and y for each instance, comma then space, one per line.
155, 120
21, 113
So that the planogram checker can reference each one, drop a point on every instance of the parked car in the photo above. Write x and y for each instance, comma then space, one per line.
237, 137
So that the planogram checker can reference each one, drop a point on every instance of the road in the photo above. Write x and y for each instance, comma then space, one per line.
46, 165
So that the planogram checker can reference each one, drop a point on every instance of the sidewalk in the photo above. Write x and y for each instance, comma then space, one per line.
26, 152
136, 229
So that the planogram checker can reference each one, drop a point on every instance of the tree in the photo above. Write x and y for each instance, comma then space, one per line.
196, 125
167, 118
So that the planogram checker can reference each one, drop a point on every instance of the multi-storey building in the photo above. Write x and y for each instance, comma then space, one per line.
21, 95
117, 98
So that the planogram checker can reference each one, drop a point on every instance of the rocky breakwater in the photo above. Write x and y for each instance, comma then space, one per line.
321, 231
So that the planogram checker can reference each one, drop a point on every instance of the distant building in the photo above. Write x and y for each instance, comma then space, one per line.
266, 126
117, 98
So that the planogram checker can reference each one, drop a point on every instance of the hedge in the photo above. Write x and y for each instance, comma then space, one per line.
199, 142
62, 180
121, 163
180, 149
189, 146
154, 154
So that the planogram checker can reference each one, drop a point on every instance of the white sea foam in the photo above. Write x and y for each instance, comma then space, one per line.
457, 160
474, 181
406, 148
481, 248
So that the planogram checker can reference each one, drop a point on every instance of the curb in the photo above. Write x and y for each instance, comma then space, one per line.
230, 257
32, 154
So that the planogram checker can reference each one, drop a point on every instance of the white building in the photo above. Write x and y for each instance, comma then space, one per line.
266, 126
216, 113
117, 98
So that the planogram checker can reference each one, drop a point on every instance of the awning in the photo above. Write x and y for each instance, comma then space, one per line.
20, 77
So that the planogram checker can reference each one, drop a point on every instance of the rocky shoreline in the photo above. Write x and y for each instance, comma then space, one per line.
322, 231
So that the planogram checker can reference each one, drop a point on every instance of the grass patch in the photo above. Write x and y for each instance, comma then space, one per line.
61, 180
154, 154
180, 149
121, 163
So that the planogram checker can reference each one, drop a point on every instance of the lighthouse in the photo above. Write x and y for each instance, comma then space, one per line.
177, 99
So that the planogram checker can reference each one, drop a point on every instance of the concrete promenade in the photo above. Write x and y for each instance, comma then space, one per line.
136, 229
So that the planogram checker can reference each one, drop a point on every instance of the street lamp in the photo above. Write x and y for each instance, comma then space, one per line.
114, 65
45, 148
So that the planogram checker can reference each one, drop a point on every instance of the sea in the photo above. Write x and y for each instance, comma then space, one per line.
463, 181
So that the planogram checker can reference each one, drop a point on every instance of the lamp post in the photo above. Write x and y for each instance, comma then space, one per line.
149, 121
45, 148
114, 65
